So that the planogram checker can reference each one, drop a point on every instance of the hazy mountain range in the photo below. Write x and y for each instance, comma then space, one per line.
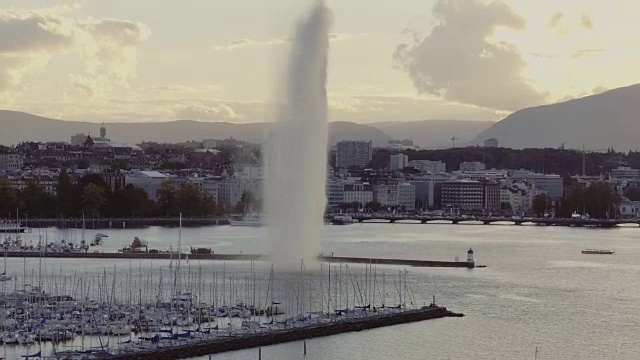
610, 119
18, 126
597, 122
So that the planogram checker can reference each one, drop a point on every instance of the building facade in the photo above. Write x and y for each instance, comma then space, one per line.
428, 166
149, 181
353, 154
462, 195
551, 184
472, 166
358, 193
399, 161
11, 161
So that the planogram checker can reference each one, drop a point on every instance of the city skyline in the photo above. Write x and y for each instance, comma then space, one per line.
118, 61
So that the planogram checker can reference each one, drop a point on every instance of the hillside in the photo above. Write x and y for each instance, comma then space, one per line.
17, 127
434, 133
610, 119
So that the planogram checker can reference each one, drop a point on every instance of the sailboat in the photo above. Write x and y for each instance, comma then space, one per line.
3, 275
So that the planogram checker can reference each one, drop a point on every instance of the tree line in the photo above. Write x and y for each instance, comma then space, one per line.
93, 197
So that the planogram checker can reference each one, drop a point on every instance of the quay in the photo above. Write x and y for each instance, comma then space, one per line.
260, 339
232, 257
122, 223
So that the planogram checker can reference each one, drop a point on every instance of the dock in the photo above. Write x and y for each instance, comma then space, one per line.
260, 339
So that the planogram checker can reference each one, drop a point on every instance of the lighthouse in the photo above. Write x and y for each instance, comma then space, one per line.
470, 256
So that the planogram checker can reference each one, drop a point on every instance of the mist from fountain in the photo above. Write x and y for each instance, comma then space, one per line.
296, 161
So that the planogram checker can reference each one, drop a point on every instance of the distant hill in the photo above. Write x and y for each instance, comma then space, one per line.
610, 119
434, 133
18, 126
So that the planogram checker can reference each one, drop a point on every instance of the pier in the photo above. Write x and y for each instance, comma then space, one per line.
234, 257
260, 339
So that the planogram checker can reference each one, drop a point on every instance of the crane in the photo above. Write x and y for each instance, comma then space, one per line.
453, 141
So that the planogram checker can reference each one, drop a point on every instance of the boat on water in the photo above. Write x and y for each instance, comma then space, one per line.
598, 252
8, 226
342, 219
254, 220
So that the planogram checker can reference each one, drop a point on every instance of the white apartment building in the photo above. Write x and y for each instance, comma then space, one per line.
399, 161
518, 195
353, 153
11, 161
625, 173
428, 166
403, 195
358, 193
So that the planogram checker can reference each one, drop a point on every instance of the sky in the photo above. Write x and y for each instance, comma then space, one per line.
224, 60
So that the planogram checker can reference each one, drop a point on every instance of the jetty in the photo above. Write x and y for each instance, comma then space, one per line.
293, 333
232, 257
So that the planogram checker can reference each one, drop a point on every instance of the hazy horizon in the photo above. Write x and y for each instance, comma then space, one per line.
144, 61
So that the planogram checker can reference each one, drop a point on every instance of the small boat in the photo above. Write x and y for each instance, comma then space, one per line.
342, 220
201, 251
598, 252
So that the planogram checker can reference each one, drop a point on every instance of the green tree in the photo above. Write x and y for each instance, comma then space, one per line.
93, 200
9, 201
373, 206
598, 200
64, 193
632, 193
540, 204
167, 199
36, 200
190, 200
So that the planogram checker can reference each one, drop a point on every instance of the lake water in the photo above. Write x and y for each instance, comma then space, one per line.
538, 290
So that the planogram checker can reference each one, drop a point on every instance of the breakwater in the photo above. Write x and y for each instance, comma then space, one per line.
261, 339
403, 262
234, 257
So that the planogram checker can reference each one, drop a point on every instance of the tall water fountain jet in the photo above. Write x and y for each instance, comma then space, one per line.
297, 148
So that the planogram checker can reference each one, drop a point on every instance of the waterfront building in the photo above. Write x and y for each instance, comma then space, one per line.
492, 196
428, 166
628, 208
462, 195
396, 195
335, 193
149, 181
353, 153
519, 195
230, 192
472, 166
399, 161
426, 187
358, 193
551, 184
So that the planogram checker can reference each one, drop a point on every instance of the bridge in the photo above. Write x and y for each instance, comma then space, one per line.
488, 220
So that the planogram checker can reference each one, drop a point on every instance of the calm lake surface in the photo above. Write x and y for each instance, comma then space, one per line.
538, 290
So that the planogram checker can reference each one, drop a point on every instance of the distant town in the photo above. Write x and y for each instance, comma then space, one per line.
100, 177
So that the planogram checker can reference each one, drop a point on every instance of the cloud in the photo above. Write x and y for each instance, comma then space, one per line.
219, 112
586, 22
252, 43
30, 39
556, 19
586, 52
458, 62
